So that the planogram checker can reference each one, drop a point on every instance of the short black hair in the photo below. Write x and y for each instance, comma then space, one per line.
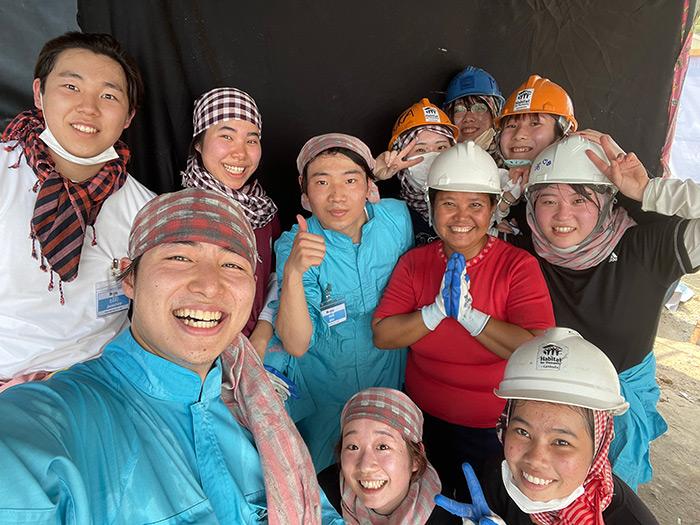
131, 269
352, 155
100, 44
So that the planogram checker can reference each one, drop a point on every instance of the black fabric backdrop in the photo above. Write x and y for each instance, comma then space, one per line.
315, 67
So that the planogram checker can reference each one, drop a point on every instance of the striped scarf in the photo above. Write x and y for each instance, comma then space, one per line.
64, 209
291, 488
414, 195
600, 243
598, 486
258, 206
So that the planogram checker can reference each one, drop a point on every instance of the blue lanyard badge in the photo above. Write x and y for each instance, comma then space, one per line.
109, 296
333, 310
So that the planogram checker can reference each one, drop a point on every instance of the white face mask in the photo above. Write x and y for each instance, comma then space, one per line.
418, 174
51, 141
529, 506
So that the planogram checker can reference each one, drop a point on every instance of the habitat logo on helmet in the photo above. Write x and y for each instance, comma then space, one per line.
423, 113
551, 356
541, 95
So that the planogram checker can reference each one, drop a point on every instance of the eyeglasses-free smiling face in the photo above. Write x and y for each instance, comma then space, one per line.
190, 301
525, 136
566, 217
231, 151
428, 141
462, 219
549, 449
85, 101
337, 189
376, 464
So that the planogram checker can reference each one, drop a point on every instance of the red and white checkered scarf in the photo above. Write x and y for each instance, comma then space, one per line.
588, 508
291, 488
64, 209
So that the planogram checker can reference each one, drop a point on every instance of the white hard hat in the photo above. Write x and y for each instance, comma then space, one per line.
465, 167
565, 162
562, 367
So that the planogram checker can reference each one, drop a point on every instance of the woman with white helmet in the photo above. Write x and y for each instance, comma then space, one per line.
562, 393
463, 304
419, 135
608, 275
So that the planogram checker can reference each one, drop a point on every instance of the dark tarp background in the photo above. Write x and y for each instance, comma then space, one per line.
316, 67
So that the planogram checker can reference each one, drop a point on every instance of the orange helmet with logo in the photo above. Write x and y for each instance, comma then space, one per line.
422, 113
540, 95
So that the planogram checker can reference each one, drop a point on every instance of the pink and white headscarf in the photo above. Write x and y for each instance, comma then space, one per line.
218, 105
596, 248
395, 409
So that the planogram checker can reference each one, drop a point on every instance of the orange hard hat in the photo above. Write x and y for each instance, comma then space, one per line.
540, 95
423, 113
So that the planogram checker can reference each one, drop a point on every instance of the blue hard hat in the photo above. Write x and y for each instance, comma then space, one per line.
473, 81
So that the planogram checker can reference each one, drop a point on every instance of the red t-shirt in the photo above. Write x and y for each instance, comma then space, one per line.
449, 374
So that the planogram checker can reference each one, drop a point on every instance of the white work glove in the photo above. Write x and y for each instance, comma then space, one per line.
470, 318
433, 313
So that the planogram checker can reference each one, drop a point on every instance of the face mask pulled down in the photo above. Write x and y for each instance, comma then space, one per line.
529, 506
50, 140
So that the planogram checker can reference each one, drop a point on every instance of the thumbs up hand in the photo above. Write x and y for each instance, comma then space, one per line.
308, 250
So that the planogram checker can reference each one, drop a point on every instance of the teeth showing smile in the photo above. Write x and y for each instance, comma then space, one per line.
536, 481
563, 229
84, 129
521, 149
198, 318
372, 484
234, 170
461, 229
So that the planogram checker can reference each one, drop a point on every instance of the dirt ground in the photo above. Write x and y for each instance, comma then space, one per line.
674, 493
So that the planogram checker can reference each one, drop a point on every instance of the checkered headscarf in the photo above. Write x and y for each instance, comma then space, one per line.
193, 215
222, 104
395, 409
317, 145
216, 106
413, 194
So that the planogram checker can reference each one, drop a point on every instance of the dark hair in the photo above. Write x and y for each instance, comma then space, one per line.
100, 44
558, 131
352, 155
131, 269
416, 454
583, 191
432, 194
586, 414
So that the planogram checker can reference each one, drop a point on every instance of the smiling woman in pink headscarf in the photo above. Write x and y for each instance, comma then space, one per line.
383, 475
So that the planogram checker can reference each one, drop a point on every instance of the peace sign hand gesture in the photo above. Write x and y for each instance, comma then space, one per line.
389, 163
476, 513
625, 170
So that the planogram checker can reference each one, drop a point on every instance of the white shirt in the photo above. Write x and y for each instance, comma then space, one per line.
37, 332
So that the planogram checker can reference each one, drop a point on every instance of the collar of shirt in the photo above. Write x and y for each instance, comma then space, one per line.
159, 377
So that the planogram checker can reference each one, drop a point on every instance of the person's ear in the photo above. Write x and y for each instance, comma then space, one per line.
36, 89
128, 120
128, 281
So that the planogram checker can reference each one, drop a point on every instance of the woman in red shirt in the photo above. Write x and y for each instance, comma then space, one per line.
462, 304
